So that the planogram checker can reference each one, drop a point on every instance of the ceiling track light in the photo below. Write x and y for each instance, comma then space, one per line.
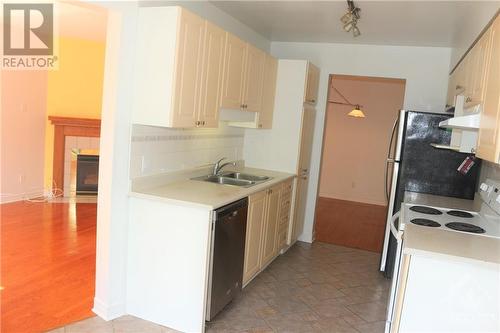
350, 19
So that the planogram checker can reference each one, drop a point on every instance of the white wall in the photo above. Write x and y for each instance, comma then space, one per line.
113, 201
424, 68
470, 27
215, 15
22, 121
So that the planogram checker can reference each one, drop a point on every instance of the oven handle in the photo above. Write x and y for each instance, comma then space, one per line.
394, 231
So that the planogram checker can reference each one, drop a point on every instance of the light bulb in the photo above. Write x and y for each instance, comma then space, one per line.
346, 18
348, 26
355, 31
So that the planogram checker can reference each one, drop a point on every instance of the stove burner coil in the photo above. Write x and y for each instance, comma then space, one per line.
425, 223
466, 227
459, 213
426, 210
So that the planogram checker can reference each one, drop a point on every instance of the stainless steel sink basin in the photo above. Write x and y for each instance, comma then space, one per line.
245, 176
235, 179
229, 181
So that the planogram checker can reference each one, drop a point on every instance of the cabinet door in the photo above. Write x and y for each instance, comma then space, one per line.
211, 83
234, 69
450, 97
255, 222
188, 68
254, 79
270, 230
306, 139
488, 146
476, 70
312, 84
265, 118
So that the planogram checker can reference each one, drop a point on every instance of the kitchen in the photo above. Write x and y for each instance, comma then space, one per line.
164, 189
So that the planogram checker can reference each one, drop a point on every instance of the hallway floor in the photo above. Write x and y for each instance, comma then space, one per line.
312, 288
48, 264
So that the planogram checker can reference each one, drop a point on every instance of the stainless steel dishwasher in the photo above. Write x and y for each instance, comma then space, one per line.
227, 255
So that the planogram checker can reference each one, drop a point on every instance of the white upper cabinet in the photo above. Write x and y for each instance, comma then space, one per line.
211, 82
188, 68
264, 117
178, 69
488, 146
234, 74
312, 84
254, 79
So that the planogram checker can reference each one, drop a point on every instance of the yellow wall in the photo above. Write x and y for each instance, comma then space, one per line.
75, 89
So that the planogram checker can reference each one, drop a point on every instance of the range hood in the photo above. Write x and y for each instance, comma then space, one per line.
464, 127
465, 118
468, 122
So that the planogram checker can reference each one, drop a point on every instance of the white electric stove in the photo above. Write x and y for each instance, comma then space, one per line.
485, 223
482, 223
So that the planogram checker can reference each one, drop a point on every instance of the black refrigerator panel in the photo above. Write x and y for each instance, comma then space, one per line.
430, 170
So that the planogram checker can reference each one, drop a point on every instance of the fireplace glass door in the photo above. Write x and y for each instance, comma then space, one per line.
87, 174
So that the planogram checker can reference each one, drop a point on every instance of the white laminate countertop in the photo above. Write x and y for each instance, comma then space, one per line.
449, 244
203, 194
436, 242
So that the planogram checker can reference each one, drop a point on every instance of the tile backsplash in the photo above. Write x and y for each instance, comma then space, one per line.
489, 170
157, 150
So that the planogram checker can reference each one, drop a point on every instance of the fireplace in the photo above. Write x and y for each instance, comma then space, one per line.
87, 174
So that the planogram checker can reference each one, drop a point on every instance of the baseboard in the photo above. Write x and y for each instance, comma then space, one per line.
21, 197
108, 312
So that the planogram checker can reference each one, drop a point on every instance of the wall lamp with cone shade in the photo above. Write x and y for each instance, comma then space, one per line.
356, 112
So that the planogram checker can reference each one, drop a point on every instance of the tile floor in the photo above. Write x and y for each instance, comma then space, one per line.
311, 288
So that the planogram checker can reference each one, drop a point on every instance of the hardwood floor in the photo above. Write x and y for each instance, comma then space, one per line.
352, 224
47, 264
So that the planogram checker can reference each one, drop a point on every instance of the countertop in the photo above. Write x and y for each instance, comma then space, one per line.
203, 194
447, 244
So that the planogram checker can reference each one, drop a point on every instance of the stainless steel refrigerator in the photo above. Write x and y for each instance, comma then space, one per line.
414, 165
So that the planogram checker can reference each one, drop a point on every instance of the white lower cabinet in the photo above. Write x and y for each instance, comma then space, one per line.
459, 295
267, 227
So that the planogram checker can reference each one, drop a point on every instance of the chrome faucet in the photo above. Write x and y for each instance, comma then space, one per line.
218, 167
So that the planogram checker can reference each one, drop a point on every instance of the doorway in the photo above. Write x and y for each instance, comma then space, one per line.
48, 237
351, 206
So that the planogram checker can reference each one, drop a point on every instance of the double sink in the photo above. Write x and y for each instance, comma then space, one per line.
235, 179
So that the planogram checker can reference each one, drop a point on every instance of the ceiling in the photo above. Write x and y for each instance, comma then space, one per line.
414, 23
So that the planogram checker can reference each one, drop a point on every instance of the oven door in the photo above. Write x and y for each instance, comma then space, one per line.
398, 234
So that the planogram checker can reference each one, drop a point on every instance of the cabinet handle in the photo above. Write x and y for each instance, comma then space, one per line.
203, 122
468, 100
260, 125
459, 87
197, 123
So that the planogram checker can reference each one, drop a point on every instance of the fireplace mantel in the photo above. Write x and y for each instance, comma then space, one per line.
68, 126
